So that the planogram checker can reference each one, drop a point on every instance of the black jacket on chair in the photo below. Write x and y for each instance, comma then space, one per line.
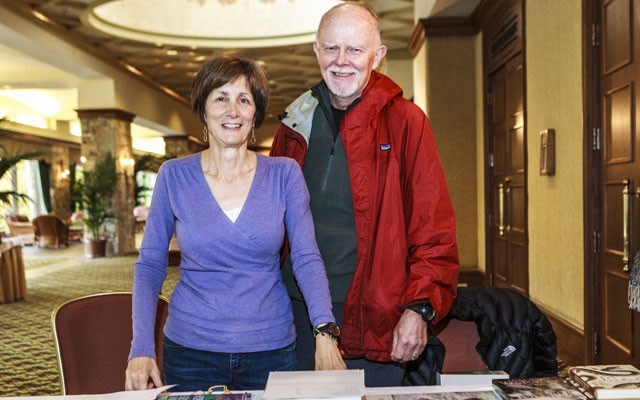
515, 336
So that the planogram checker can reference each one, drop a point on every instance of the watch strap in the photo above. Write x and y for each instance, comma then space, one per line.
330, 330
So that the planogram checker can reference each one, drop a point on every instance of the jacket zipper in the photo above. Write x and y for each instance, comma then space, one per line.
325, 178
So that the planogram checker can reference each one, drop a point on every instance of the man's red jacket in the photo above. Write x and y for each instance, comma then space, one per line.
405, 224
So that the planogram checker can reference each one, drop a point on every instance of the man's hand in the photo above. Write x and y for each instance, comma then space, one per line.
142, 373
328, 354
409, 337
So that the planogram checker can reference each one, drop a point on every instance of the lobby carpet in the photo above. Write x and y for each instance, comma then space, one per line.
28, 365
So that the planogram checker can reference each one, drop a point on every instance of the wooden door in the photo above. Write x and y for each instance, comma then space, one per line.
508, 200
618, 327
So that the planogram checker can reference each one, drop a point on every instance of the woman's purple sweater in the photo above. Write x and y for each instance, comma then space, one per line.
230, 297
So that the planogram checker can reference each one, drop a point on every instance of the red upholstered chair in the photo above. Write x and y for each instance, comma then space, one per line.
93, 335
459, 339
51, 231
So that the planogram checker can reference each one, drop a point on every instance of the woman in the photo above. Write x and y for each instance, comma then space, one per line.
230, 319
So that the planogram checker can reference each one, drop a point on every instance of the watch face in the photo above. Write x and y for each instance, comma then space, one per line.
333, 329
430, 313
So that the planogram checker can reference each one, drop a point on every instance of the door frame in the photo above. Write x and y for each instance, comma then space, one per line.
592, 179
491, 14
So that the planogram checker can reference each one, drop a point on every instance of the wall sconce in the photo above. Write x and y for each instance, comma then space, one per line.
64, 175
126, 163
83, 159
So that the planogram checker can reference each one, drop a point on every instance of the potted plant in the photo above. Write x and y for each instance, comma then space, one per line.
95, 191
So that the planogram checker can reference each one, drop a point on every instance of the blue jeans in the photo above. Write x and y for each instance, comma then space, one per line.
195, 370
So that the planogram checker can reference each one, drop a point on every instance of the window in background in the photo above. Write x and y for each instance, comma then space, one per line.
145, 181
24, 178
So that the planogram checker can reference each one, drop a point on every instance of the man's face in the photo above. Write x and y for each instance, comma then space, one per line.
348, 49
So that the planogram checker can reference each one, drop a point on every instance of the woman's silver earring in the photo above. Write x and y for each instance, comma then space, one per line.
205, 134
252, 139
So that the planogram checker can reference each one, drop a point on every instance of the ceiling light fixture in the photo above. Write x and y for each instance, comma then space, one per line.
210, 23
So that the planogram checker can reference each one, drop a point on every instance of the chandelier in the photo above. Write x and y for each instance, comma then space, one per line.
210, 23
202, 2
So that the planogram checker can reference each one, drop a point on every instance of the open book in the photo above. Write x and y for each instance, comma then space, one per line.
608, 381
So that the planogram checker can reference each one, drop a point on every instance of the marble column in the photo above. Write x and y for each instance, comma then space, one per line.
109, 131
179, 146
61, 198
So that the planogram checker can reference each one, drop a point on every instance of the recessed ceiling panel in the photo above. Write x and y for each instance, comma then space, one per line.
211, 23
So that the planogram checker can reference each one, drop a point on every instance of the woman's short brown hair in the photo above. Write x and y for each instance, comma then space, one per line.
221, 70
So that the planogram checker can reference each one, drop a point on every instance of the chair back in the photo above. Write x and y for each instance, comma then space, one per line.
16, 218
459, 339
21, 227
51, 231
93, 337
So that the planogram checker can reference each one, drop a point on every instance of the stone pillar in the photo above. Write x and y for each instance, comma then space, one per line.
179, 146
109, 131
61, 198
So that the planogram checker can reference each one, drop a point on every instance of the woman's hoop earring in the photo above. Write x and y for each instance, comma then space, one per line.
205, 134
252, 139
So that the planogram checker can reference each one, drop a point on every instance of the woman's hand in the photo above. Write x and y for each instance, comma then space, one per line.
327, 354
142, 373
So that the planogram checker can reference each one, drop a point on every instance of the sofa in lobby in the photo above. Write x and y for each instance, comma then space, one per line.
21, 227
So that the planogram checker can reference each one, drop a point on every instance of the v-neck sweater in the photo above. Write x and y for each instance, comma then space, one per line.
230, 296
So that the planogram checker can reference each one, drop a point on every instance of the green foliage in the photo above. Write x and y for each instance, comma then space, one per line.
6, 163
145, 162
95, 192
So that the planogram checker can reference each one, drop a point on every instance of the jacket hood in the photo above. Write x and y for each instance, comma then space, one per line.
298, 116
380, 90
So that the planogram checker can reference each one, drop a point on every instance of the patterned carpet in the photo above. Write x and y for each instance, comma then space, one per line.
28, 364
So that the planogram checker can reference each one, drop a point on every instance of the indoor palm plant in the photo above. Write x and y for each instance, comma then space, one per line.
6, 163
95, 191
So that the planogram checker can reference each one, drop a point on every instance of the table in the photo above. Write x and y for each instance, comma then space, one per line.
76, 233
257, 394
13, 283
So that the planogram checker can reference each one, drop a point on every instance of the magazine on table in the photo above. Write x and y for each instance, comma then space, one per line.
539, 388
608, 381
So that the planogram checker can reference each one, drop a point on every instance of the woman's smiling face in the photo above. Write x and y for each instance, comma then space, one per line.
230, 112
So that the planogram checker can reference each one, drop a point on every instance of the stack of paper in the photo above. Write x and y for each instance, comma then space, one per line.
470, 378
315, 385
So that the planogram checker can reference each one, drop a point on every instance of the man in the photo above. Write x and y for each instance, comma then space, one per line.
384, 221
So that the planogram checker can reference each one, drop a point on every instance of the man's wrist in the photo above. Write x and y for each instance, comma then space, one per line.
425, 309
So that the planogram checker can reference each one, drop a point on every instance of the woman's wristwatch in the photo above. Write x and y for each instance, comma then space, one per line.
329, 330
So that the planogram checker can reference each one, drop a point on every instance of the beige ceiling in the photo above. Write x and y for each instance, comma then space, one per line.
292, 69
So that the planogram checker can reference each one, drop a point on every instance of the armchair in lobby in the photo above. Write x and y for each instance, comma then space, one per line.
21, 227
93, 359
50, 231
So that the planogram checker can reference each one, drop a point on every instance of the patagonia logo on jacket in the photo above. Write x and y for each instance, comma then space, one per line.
385, 146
